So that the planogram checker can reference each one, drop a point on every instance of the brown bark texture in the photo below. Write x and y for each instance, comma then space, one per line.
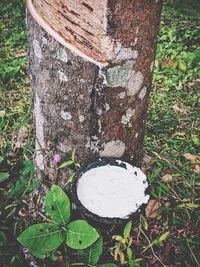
100, 112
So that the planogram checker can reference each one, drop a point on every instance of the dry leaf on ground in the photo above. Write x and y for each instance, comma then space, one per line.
152, 209
147, 159
179, 110
190, 157
197, 168
167, 178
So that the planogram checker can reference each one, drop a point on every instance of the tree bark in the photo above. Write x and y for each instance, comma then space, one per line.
96, 103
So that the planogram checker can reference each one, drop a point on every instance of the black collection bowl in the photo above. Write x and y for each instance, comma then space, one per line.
94, 218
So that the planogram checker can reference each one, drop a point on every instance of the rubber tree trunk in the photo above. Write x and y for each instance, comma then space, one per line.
91, 95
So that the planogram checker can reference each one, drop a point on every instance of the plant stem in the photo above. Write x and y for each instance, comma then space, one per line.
150, 246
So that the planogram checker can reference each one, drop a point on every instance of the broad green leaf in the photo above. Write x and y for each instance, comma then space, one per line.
92, 254
42, 238
57, 205
38, 254
107, 265
127, 229
80, 235
4, 176
164, 236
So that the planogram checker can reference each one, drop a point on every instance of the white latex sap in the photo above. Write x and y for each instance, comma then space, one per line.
112, 191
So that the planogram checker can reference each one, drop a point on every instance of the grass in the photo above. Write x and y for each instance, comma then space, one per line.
171, 144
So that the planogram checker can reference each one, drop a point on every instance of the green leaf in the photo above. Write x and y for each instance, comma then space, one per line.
1, 159
3, 239
182, 65
155, 242
92, 254
73, 155
136, 262
42, 238
130, 256
4, 176
118, 237
107, 265
196, 140
53, 256
164, 236
144, 222
192, 205
2, 113
28, 168
66, 164
35, 184
80, 235
57, 205
127, 229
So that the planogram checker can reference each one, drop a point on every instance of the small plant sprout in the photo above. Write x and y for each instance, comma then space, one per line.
72, 165
143, 222
156, 241
122, 250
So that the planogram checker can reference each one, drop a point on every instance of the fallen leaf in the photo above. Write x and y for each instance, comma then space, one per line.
152, 209
178, 110
168, 63
21, 137
147, 159
180, 133
19, 54
22, 212
191, 84
167, 178
179, 87
197, 168
181, 232
190, 157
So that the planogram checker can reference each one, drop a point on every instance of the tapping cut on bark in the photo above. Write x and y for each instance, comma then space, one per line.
79, 26
86, 26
